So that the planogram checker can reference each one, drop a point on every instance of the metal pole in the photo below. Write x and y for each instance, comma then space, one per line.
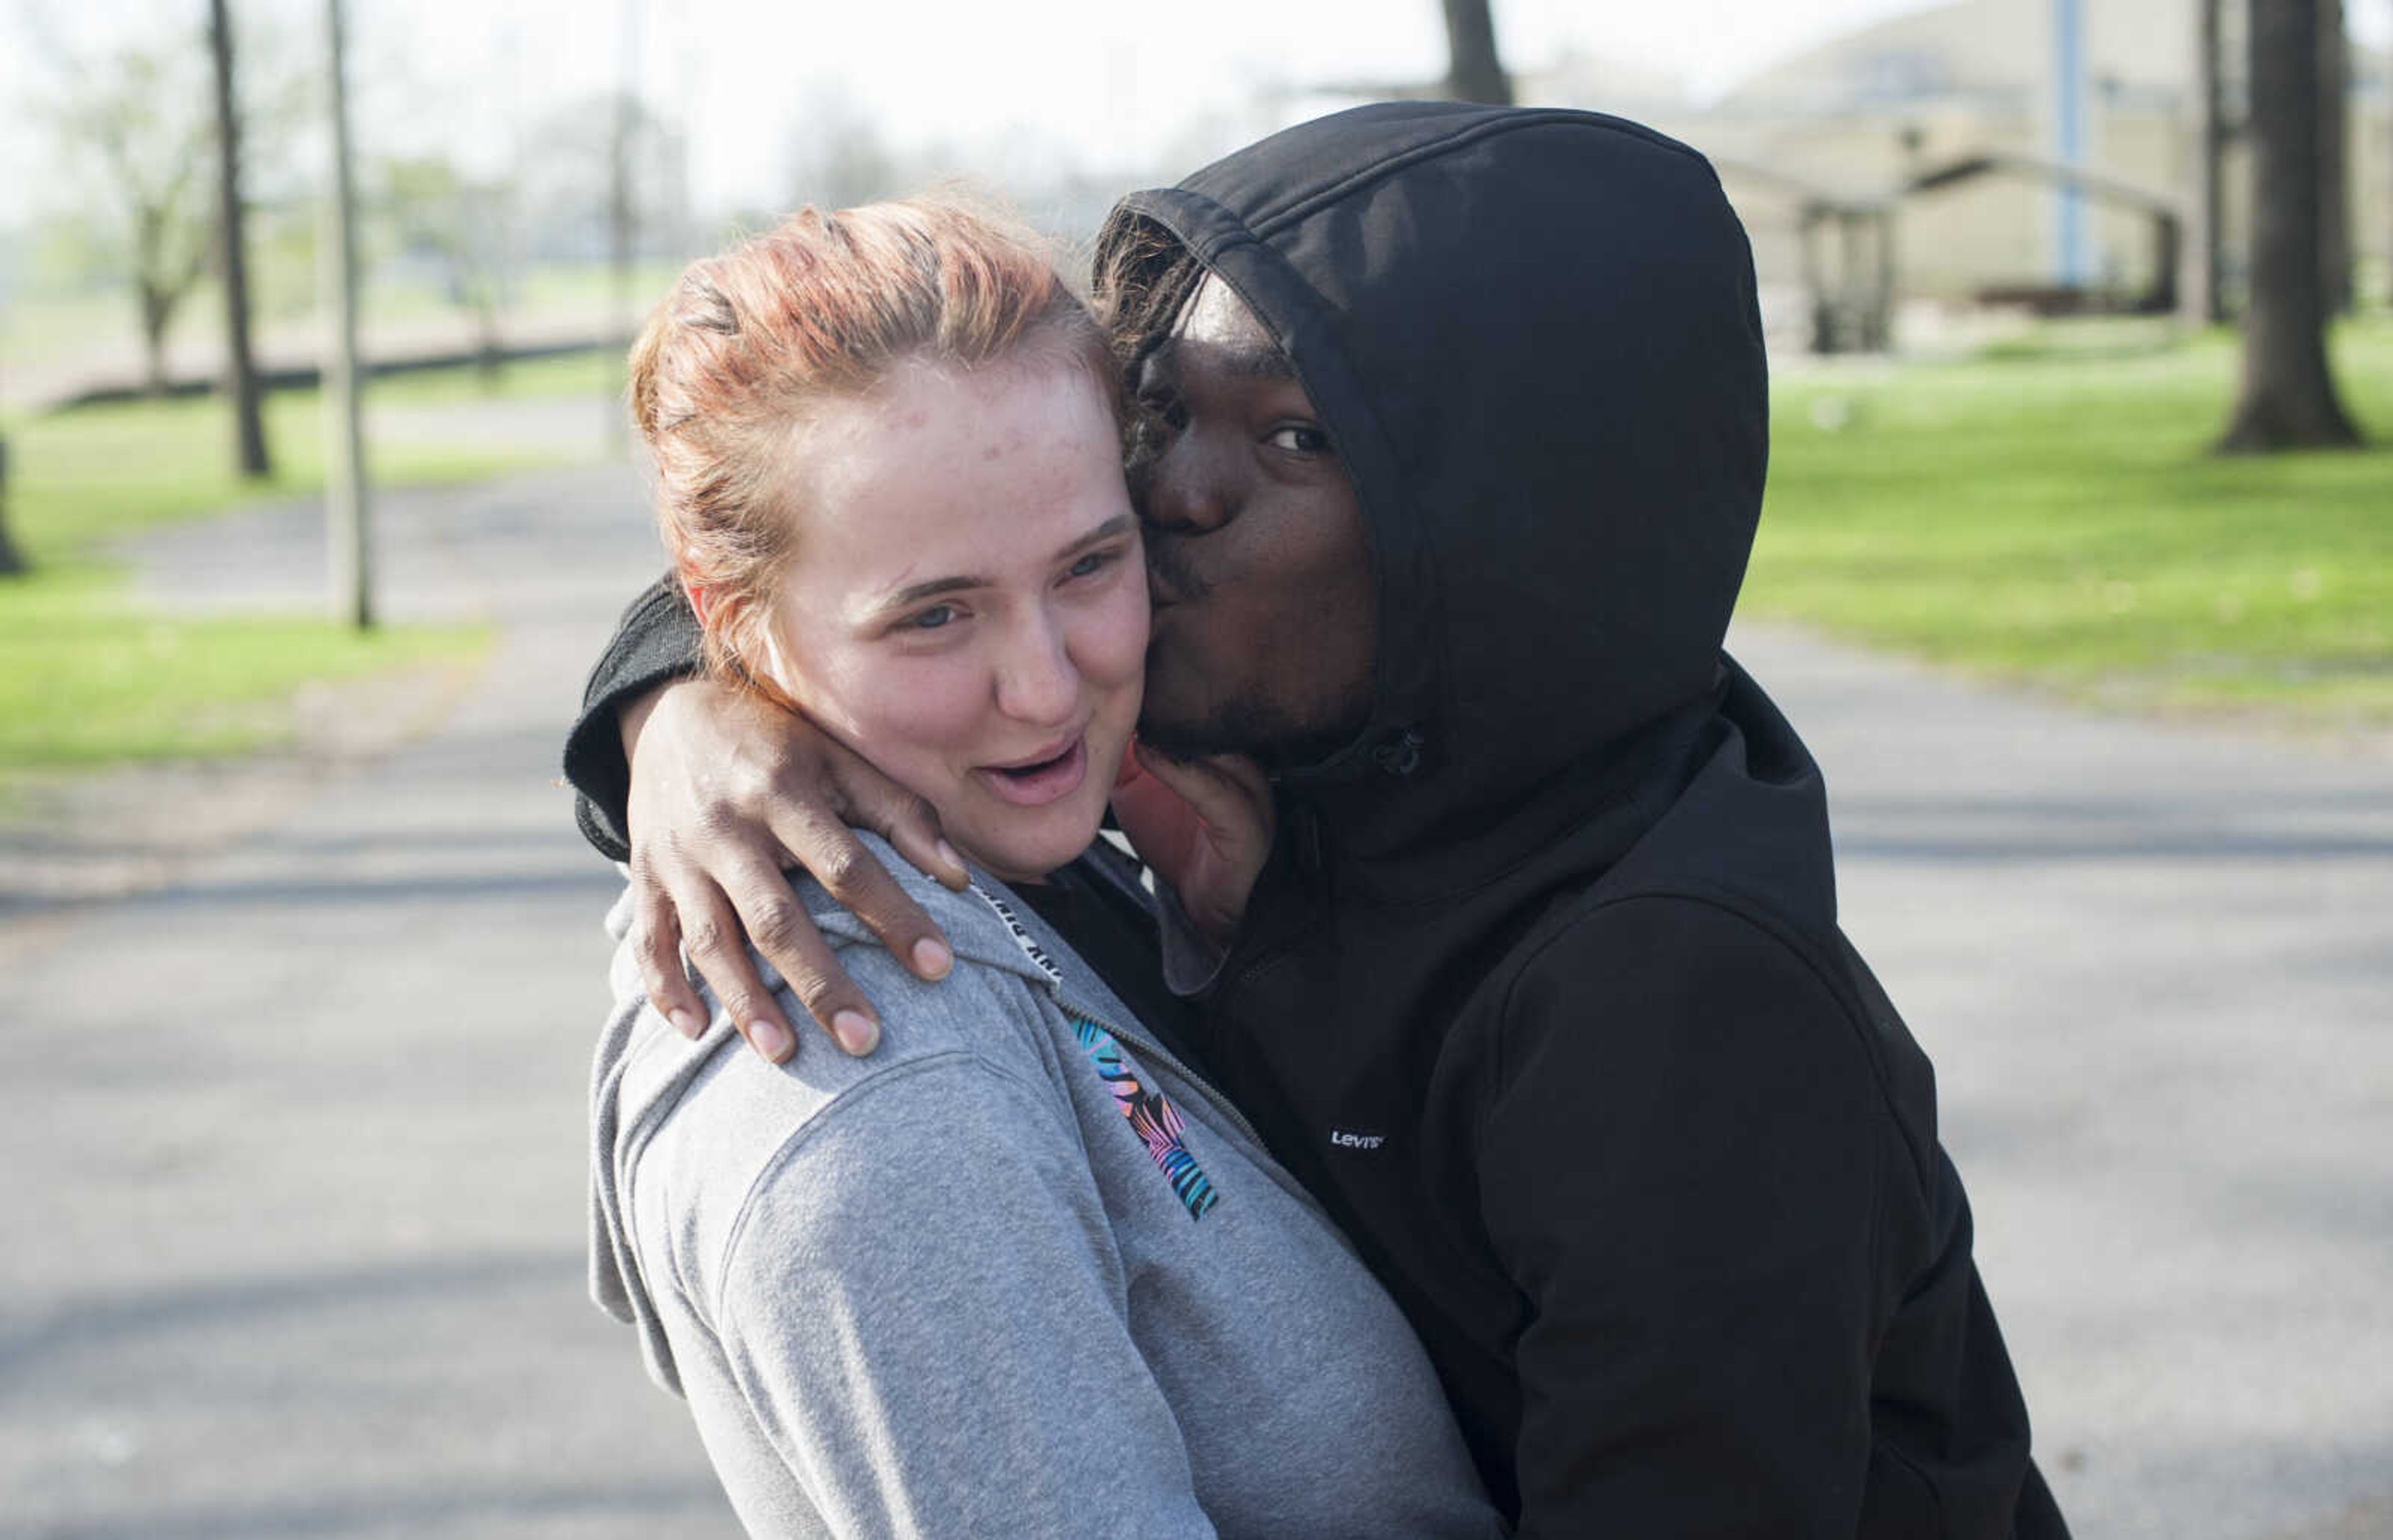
344, 479
2069, 134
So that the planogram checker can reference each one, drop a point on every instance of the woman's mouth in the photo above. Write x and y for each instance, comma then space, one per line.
1035, 782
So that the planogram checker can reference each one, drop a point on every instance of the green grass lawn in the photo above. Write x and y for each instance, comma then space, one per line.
89, 676
2055, 517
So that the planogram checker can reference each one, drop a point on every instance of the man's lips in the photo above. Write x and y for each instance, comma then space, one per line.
1168, 579
1055, 772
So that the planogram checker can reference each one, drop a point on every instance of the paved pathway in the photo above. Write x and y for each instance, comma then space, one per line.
2155, 968
294, 1154
295, 1145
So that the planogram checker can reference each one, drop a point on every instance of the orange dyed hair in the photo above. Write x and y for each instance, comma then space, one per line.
748, 344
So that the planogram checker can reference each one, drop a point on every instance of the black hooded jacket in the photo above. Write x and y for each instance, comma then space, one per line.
1543, 991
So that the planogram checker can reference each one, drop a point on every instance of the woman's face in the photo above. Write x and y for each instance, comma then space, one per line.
967, 607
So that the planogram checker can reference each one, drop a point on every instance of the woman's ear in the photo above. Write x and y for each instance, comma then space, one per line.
700, 601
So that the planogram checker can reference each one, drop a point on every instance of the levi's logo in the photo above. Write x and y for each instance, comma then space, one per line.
1346, 1141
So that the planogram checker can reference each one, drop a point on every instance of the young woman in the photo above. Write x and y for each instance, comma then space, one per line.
1018, 1272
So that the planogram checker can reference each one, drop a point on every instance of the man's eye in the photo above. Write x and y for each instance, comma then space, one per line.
1300, 441
931, 619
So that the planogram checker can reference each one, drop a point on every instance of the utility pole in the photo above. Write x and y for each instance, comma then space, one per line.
232, 255
2071, 268
344, 478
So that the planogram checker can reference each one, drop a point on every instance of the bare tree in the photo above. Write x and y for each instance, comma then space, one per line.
139, 120
838, 157
463, 226
232, 254
1475, 72
2288, 397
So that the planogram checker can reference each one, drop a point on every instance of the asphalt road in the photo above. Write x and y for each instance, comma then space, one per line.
295, 1142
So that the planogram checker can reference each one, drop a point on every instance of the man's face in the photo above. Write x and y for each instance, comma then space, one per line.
1266, 612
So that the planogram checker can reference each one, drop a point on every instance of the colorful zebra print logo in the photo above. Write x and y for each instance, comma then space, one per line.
1155, 1120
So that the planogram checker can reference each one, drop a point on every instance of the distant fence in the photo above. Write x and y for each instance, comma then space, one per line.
310, 376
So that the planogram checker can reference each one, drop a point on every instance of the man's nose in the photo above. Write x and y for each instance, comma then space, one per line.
1036, 681
1185, 489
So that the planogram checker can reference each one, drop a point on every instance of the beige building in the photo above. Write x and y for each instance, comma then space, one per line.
1856, 118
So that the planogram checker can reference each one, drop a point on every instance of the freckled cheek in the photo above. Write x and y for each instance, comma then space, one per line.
1108, 643
925, 712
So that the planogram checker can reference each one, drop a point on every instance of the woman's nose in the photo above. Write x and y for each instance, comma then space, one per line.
1036, 681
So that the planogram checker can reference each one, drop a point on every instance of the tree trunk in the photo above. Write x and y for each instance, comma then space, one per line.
2334, 140
157, 312
12, 561
490, 348
2210, 273
2288, 396
1475, 72
232, 257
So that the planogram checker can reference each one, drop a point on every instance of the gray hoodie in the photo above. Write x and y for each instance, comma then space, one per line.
1018, 1272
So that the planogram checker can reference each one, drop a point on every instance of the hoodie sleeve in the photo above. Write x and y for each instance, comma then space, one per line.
657, 640
1680, 1170
927, 1316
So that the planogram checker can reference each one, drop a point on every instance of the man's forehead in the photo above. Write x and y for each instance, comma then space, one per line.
1218, 322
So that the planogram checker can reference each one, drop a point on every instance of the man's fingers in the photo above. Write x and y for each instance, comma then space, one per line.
656, 945
829, 850
1230, 803
712, 937
785, 932
870, 800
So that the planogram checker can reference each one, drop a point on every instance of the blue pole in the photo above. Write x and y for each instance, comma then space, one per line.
2070, 263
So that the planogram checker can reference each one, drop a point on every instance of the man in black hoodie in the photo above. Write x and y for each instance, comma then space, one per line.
1455, 431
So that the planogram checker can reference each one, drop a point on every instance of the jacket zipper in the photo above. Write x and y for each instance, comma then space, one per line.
1163, 1056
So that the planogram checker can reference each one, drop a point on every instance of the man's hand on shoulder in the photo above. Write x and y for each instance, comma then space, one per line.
728, 792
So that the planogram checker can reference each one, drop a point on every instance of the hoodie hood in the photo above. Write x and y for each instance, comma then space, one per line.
1532, 337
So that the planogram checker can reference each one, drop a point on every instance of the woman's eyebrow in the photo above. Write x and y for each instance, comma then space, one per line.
1119, 524
916, 592
930, 590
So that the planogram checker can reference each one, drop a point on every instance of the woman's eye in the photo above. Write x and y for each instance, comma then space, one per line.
1300, 441
1089, 565
931, 619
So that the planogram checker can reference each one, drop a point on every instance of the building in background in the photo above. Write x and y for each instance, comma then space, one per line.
1853, 121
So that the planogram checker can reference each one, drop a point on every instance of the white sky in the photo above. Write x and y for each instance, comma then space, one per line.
1122, 88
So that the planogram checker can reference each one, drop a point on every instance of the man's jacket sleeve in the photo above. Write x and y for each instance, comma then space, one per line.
1680, 1165
656, 639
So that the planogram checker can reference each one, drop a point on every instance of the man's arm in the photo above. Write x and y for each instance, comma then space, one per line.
1680, 1169
655, 643
711, 794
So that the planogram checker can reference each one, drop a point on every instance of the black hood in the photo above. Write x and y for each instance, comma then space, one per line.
1532, 337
